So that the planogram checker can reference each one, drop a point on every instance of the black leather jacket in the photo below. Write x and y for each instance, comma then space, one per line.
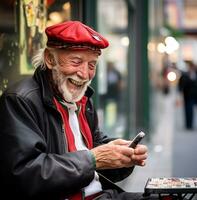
34, 162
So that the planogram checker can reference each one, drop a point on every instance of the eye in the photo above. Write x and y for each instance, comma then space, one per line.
76, 61
92, 65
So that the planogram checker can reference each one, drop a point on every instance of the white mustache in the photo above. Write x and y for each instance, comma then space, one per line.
77, 81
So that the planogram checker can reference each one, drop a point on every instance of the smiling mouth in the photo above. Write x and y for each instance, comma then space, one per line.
76, 83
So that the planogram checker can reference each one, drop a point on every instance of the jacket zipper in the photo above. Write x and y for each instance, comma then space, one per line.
64, 138
62, 129
85, 138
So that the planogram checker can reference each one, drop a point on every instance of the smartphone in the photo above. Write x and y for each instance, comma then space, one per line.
137, 139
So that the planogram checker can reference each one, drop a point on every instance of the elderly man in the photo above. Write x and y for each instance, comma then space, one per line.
51, 146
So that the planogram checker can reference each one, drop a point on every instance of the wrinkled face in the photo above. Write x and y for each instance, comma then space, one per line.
73, 71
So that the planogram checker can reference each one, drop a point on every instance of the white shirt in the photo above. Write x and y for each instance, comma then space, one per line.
95, 185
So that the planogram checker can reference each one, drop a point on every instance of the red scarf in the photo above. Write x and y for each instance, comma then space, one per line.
85, 130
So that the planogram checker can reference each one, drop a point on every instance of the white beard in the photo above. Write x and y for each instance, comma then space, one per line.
61, 81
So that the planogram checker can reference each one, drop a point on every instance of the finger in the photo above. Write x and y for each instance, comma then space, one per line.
140, 149
126, 151
125, 160
140, 163
139, 157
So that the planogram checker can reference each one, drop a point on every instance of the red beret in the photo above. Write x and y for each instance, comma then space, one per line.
74, 34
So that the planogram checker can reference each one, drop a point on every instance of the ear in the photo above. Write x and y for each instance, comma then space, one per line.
49, 59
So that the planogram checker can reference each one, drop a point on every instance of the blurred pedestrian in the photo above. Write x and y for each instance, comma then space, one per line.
114, 86
165, 85
188, 87
114, 82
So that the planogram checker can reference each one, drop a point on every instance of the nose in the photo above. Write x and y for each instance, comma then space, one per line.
83, 71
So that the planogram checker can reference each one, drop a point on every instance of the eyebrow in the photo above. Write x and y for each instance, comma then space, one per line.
80, 57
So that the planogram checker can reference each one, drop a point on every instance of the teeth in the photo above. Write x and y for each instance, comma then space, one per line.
76, 82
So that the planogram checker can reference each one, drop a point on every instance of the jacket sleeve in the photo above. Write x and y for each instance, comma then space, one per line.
26, 168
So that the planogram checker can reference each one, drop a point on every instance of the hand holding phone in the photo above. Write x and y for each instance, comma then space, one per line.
137, 139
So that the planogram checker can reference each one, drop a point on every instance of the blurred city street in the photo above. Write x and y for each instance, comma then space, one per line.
172, 149
146, 53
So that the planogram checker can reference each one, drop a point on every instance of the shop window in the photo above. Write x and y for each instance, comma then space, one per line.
35, 16
32, 22
112, 70
8, 43
22, 25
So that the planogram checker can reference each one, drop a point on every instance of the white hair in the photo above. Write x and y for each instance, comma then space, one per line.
38, 59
